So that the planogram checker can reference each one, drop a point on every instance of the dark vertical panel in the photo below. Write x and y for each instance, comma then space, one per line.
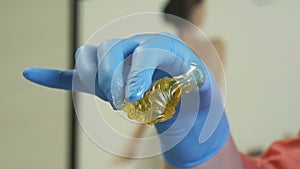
74, 16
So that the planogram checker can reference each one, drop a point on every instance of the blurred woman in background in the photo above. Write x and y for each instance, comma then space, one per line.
194, 11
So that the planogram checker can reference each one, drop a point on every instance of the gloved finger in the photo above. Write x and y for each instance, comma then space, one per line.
86, 65
111, 56
107, 45
50, 77
141, 38
57, 79
114, 54
77, 53
156, 53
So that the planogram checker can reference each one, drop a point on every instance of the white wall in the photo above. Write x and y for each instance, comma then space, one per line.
262, 68
33, 119
263, 64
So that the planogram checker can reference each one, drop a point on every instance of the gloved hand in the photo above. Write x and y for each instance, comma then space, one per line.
85, 78
199, 131
196, 132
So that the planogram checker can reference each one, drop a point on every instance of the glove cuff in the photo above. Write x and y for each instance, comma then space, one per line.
190, 153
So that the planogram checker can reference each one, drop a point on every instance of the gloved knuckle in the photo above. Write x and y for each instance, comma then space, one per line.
109, 43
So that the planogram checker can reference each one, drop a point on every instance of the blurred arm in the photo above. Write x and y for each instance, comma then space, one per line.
220, 48
281, 154
227, 158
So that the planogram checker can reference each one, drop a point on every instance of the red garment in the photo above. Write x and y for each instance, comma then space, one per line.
284, 154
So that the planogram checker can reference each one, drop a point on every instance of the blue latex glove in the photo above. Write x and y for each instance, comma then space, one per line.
203, 130
199, 133
95, 66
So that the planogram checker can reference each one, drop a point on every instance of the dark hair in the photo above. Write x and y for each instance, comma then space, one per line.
180, 8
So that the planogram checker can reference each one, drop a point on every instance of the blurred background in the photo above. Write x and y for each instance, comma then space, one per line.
37, 129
